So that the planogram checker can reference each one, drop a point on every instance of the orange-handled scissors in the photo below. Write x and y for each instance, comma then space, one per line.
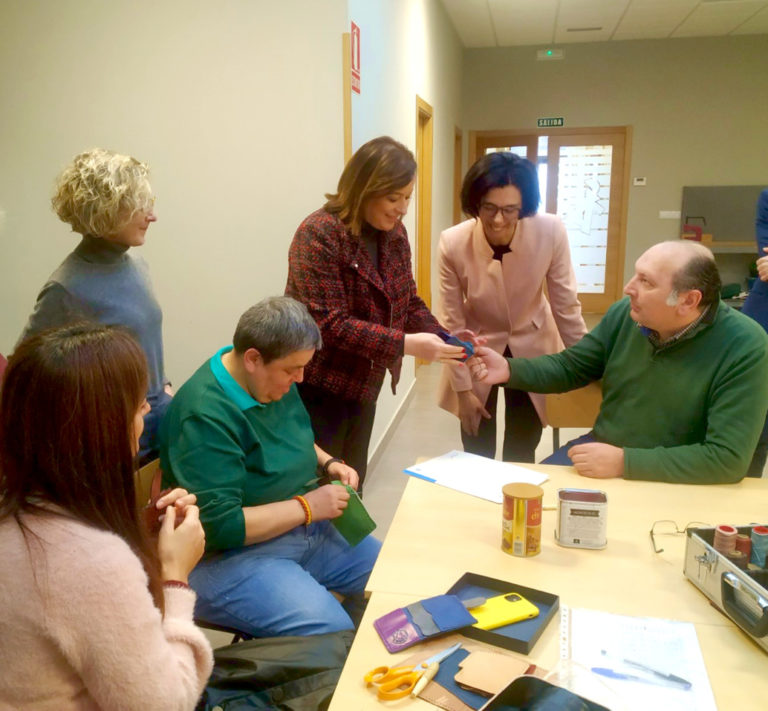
397, 682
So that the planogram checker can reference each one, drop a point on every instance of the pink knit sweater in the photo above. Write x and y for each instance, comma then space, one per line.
79, 629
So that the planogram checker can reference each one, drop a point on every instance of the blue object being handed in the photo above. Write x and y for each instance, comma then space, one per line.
469, 349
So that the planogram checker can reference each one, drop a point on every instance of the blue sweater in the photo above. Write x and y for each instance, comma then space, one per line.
99, 281
756, 305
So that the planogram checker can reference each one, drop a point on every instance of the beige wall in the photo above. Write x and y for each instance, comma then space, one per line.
698, 109
236, 105
409, 47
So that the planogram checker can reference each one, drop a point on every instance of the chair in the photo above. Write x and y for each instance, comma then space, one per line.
3, 363
576, 408
148, 483
144, 479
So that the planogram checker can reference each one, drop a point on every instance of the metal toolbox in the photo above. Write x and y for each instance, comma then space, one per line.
740, 594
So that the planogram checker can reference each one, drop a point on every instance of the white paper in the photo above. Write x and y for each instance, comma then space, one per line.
592, 638
474, 475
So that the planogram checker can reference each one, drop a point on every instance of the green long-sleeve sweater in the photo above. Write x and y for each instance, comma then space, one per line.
688, 413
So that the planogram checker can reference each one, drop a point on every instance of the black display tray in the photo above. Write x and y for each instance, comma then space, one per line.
520, 636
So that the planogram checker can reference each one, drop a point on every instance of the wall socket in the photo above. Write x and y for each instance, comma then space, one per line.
638, 181
669, 214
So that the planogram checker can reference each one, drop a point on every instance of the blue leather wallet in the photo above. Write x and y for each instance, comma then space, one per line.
427, 618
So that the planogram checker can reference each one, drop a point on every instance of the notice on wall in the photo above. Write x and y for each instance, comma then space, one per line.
355, 63
550, 122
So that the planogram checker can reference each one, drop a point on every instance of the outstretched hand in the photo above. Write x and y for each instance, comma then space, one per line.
489, 366
429, 346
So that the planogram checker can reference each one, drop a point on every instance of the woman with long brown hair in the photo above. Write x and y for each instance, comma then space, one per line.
350, 264
93, 613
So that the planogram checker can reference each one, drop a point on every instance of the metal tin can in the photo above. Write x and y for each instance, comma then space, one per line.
581, 518
521, 522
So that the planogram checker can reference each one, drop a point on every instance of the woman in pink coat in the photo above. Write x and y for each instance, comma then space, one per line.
494, 270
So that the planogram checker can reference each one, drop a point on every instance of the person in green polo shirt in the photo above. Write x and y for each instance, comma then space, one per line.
237, 434
684, 376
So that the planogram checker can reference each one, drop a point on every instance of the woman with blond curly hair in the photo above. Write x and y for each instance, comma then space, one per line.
106, 197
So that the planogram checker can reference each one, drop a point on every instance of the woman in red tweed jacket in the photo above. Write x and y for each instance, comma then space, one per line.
350, 263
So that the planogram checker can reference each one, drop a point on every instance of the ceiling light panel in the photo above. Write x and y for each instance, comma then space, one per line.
580, 14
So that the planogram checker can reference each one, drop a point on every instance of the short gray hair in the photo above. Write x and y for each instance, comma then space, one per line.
276, 327
700, 272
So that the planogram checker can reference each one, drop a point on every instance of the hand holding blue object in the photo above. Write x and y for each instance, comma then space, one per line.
469, 349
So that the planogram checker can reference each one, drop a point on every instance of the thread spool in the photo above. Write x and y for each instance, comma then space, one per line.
725, 539
744, 544
738, 558
759, 545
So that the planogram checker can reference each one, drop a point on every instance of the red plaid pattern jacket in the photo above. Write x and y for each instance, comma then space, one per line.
362, 313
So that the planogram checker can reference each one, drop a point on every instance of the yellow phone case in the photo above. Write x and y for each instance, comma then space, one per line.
503, 610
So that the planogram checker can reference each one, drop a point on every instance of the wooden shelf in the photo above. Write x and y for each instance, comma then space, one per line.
740, 247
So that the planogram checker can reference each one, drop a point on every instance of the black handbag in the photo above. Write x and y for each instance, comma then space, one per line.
284, 673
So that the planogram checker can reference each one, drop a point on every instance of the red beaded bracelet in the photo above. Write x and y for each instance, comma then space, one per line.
307, 510
176, 584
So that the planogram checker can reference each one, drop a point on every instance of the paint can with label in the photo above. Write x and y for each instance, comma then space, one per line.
521, 522
581, 518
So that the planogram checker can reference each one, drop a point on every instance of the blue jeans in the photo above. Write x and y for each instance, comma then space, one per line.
281, 586
561, 455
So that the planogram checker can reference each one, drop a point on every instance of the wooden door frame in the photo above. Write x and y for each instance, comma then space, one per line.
424, 139
480, 140
458, 173
614, 271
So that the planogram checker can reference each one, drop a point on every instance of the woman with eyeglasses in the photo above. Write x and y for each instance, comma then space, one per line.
94, 614
494, 269
350, 264
106, 197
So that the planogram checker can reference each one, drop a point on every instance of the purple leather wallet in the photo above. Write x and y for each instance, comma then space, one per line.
433, 616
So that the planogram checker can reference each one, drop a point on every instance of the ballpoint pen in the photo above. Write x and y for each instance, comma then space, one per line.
672, 678
662, 678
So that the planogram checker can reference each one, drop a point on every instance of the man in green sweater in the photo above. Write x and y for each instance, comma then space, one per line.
684, 376
237, 436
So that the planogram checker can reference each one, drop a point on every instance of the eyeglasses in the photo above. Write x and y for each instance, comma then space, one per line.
489, 211
668, 527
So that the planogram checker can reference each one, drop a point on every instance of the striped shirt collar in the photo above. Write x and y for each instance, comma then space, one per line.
658, 343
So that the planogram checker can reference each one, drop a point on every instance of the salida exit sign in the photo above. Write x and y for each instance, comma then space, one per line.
549, 122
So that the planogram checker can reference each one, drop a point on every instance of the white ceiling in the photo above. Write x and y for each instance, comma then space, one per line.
506, 23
